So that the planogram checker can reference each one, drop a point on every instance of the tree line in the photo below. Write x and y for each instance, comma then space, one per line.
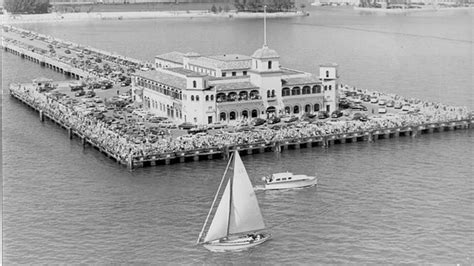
257, 5
26, 6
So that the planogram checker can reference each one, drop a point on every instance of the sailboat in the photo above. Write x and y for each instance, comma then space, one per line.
238, 217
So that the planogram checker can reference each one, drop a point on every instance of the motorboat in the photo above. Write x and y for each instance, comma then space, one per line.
287, 181
238, 221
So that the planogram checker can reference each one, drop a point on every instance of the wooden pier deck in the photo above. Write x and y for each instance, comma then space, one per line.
244, 149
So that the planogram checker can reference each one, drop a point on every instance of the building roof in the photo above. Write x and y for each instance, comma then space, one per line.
186, 72
300, 81
175, 57
164, 78
224, 62
289, 71
234, 86
265, 53
328, 65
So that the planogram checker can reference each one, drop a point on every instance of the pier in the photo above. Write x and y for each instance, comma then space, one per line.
165, 158
134, 145
73, 60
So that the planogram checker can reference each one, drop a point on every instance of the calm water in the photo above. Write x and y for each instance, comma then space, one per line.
393, 201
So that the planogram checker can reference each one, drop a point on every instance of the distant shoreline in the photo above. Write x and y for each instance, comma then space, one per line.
409, 10
70, 17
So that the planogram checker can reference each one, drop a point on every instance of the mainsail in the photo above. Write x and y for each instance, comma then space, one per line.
243, 211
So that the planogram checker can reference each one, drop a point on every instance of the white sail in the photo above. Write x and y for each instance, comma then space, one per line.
218, 227
245, 213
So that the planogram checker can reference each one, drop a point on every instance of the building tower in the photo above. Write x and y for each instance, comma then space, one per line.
328, 74
265, 73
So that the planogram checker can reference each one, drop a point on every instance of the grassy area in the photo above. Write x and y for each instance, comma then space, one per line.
139, 7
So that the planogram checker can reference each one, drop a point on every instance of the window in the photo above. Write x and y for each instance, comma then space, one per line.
212, 97
327, 74
296, 109
222, 116
269, 64
245, 73
278, 179
234, 74
325, 88
268, 93
223, 74
194, 84
254, 113
207, 98
330, 87
316, 107
197, 98
283, 179
192, 97
232, 115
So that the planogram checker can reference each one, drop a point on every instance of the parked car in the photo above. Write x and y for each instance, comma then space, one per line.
90, 94
390, 104
382, 110
323, 115
80, 93
273, 120
398, 106
336, 114
258, 121
374, 100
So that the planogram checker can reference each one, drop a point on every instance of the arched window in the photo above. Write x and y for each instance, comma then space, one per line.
327, 74
232, 96
296, 109
232, 115
212, 97
306, 90
285, 92
316, 107
245, 113
207, 98
296, 91
287, 109
192, 97
307, 108
222, 116
197, 98
268, 93
316, 89
254, 113
243, 95
221, 97
269, 64
254, 95
194, 84
273, 93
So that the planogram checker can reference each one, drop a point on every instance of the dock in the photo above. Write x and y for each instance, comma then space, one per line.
73, 60
210, 153
86, 63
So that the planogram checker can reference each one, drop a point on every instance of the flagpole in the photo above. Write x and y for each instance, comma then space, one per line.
264, 25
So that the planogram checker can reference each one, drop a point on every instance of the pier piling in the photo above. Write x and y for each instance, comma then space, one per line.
41, 115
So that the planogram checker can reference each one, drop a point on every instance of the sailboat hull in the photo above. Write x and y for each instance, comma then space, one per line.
235, 244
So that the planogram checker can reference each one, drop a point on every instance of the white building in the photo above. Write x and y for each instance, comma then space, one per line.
207, 89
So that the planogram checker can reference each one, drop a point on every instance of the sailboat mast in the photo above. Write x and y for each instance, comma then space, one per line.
214, 201
230, 197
